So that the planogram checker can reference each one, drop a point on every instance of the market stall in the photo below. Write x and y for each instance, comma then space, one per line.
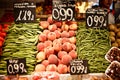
59, 40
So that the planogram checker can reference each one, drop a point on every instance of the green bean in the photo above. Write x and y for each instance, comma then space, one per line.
93, 44
21, 42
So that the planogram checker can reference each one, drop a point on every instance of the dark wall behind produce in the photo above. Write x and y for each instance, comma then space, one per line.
9, 3
6, 3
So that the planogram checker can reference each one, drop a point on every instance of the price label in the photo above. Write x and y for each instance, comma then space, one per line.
63, 10
16, 66
24, 12
79, 67
96, 18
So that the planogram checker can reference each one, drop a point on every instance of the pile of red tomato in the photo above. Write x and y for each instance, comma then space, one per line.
3, 32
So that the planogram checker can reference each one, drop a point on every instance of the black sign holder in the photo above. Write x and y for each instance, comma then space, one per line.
24, 12
96, 18
79, 67
16, 66
63, 10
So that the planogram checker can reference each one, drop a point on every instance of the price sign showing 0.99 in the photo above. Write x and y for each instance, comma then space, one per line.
16, 66
63, 10
79, 67
24, 12
96, 18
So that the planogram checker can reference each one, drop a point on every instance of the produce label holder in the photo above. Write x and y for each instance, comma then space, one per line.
24, 12
79, 67
63, 10
16, 66
96, 18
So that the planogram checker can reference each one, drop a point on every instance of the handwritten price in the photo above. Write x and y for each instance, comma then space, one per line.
16, 68
79, 67
96, 21
62, 14
25, 15
97, 18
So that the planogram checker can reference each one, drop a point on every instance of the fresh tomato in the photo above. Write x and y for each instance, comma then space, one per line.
1, 39
1, 43
3, 34
5, 27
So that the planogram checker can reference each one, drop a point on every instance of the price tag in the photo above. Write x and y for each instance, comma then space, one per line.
16, 66
63, 10
24, 12
79, 67
96, 17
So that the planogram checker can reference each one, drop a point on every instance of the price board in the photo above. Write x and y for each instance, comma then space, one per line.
96, 17
63, 10
79, 67
24, 12
16, 66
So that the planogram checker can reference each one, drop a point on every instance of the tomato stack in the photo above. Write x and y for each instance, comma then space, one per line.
3, 30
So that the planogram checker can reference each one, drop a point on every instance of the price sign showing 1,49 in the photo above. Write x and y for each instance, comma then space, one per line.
24, 11
96, 18
63, 10
27, 15
79, 67
16, 66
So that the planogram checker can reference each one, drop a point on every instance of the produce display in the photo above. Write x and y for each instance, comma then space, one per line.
92, 44
47, 49
56, 46
114, 32
20, 42
50, 45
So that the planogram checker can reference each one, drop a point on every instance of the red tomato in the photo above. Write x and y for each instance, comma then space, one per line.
3, 34
5, 27
1, 39
1, 43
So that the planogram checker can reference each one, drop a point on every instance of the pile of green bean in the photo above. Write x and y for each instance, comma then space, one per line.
20, 42
92, 45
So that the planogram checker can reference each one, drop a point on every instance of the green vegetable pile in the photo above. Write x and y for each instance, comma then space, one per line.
20, 42
92, 44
